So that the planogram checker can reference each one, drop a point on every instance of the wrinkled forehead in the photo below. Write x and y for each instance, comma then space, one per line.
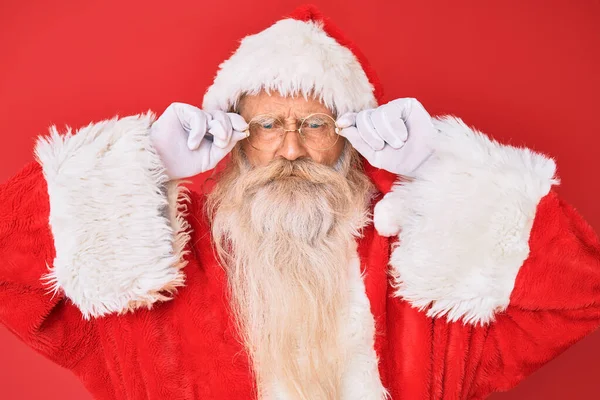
285, 106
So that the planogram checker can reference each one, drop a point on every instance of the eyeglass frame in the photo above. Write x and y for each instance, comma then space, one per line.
299, 130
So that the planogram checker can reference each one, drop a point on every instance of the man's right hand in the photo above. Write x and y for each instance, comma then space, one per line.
190, 141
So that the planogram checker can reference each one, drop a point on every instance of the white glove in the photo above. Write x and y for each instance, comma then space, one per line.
396, 136
190, 141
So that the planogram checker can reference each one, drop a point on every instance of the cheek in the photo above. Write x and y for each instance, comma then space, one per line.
255, 157
328, 157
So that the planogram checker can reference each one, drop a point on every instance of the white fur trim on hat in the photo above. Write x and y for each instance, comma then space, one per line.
464, 223
293, 57
117, 223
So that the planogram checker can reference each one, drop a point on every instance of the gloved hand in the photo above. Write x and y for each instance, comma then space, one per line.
190, 141
396, 136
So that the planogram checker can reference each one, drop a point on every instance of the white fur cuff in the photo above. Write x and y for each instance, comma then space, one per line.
464, 223
118, 229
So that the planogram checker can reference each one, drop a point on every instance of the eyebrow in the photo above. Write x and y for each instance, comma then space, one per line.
297, 116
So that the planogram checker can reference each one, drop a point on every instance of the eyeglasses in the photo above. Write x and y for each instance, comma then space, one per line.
318, 132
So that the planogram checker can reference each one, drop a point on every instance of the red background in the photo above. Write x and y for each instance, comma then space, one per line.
523, 72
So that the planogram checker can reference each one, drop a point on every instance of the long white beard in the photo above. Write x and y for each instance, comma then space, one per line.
285, 234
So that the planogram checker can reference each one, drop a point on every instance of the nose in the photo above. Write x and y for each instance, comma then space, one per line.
292, 147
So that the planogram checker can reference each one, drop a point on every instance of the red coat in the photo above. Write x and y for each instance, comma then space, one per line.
493, 277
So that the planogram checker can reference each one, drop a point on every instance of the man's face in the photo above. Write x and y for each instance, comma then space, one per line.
289, 110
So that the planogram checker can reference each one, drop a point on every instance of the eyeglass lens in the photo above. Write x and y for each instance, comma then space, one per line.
317, 132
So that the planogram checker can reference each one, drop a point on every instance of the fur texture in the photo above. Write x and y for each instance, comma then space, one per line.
302, 60
106, 187
464, 223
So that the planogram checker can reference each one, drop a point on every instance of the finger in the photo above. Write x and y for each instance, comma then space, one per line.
356, 140
388, 122
367, 130
238, 122
345, 121
221, 129
196, 123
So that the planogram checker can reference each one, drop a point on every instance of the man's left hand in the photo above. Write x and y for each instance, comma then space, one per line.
396, 136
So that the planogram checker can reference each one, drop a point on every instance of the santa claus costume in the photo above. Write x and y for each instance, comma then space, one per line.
108, 267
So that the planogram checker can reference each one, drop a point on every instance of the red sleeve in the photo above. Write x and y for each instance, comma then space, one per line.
555, 301
45, 321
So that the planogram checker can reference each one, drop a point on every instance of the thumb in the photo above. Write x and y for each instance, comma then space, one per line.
238, 122
347, 120
356, 140
218, 153
238, 135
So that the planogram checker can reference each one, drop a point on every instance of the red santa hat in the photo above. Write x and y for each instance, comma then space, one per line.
304, 54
